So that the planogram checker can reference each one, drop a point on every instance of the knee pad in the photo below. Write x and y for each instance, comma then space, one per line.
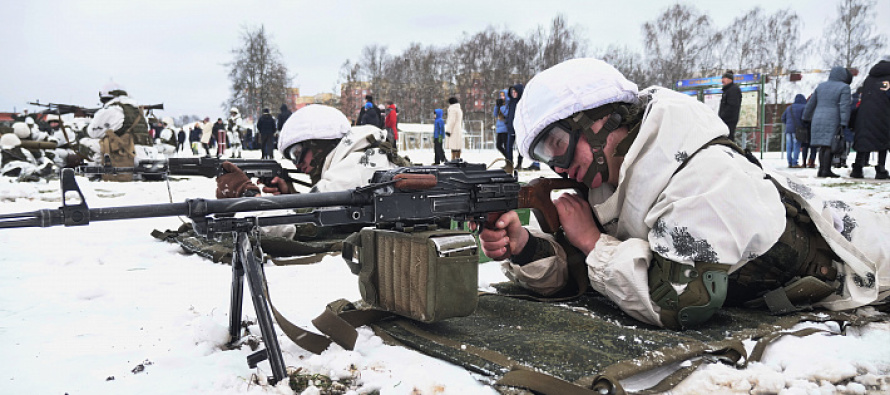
705, 291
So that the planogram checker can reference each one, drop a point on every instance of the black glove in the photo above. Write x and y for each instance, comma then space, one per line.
234, 183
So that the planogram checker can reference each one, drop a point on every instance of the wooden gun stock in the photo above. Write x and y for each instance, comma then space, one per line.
536, 196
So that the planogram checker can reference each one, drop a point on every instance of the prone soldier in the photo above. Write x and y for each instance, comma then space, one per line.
678, 221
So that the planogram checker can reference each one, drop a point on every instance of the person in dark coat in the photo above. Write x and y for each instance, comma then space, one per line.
266, 128
792, 119
283, 115
872, 127
514, 94
730, 103
219, 131
827, 110
180, 139
370, 114
840, 160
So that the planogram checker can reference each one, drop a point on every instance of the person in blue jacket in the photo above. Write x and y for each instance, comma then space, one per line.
501, 134
439, 137
792, 119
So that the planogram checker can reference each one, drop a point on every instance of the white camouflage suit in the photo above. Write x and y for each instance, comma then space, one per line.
111, 116
720, 208
234, 129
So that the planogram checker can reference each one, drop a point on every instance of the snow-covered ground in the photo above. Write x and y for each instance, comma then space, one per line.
107, 309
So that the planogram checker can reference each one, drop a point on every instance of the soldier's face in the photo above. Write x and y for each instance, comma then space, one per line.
305, 165
584, 157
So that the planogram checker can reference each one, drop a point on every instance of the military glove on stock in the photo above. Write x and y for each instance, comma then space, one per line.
234, 183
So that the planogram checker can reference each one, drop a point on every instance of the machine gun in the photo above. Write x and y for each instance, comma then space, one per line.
402, 199
61, 109
264, 169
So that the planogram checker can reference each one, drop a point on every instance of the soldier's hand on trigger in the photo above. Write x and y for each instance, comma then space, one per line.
505, 238
278, 186
577, 222
234, 183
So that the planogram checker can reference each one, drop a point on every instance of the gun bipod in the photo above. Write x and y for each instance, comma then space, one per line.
247, 261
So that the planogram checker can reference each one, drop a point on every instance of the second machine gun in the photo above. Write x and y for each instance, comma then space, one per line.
264, 169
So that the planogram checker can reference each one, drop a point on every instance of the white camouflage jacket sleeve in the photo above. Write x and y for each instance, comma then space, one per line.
111, 117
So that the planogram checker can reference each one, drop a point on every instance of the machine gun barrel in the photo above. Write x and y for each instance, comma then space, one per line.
263, 169
58, 108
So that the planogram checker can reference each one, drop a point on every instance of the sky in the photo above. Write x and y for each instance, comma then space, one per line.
175, 52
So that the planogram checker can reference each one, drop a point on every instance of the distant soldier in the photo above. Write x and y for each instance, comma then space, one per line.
235, 129
122, 131
17, 161
165, 140
320, 143
65, 153
30, 149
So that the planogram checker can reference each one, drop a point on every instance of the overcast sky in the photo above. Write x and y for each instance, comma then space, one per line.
173, 52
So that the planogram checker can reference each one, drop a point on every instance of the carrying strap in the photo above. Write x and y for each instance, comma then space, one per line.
337, 325
724, 141
796, 296
391, 152
544, 383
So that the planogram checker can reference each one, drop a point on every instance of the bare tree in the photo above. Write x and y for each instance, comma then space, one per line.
744, 46
560, 43
676, 42
258, 76
851, 40
483, 68
349, 81
422, 78
782, 49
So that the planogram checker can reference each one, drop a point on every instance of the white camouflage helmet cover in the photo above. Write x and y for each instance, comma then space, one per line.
106, 90
9, 141
21, 130
565, 89
312, 122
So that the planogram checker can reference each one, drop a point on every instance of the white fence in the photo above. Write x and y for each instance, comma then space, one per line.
420, 136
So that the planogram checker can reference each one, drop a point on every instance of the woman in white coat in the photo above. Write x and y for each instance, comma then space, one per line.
454, 129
